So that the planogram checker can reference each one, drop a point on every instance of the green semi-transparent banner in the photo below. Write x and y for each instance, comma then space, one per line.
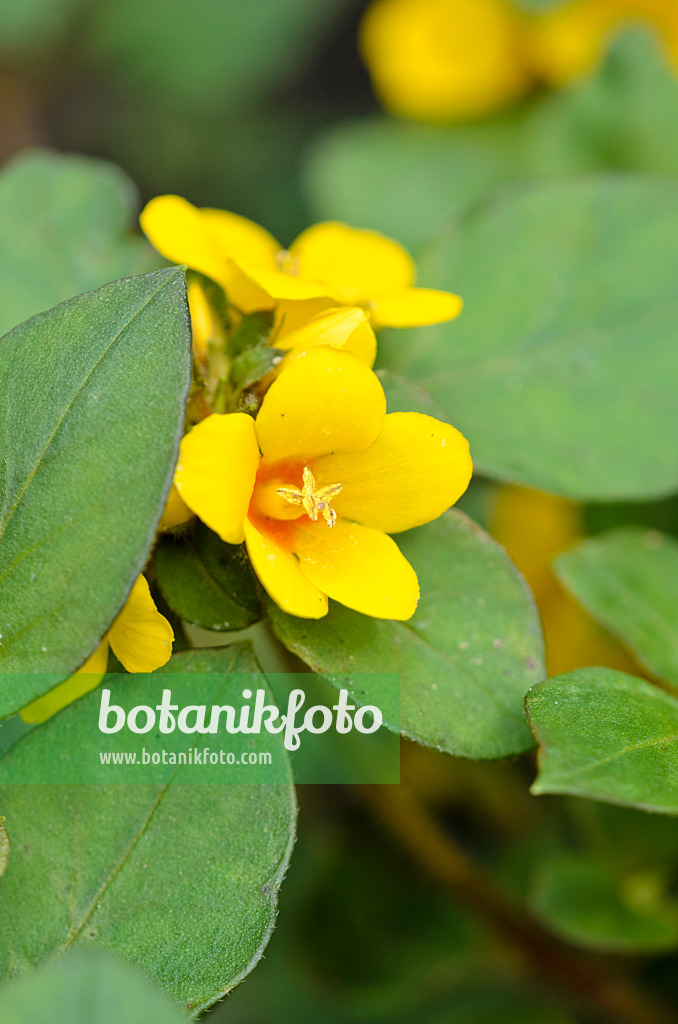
196, 728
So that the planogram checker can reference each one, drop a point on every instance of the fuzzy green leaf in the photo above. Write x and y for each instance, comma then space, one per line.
560, 280
86, 987
607, 736
93, 394
65, 228
206, 582
628, 580
180, 880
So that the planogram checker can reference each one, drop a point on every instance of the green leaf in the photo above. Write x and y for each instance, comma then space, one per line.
628, 581
606, 736
217, 56
406, 179
181, 880
466, 657
206, 582
582, 902
65, 229
636, 97
86, 987
94, 394
560, 280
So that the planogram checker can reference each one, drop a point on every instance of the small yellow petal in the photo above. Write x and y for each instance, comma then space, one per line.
322, 401
216, 471
242, 239
176, 511
287, 287
359, 567
347, 329
205, 326
352, 263
178, 230
141, 637
282, 578
81, 682
413, 307
414, 471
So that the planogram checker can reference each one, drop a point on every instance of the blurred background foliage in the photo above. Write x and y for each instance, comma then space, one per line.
266, 109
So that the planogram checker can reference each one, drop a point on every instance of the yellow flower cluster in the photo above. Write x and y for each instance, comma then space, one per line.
316, 481
447, 60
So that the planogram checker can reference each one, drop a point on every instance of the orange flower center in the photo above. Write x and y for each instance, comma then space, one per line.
278, 496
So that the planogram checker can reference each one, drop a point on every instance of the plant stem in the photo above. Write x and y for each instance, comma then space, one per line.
586, 979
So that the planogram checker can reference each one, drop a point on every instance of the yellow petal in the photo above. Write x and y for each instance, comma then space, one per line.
81, 682
290, 316
285, 286
351, 262
347, 329
205, 326
359, 567
282, 578
413, 307
242, 239
216, 470
414, 471
141, 637
178, 230
176, 511
243, 291
322, 401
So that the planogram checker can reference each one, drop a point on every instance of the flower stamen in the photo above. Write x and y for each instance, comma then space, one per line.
312, 499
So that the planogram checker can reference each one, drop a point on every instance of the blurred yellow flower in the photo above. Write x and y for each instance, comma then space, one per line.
570, 40
141, 639
328, 266
445, 60
449, 60
316, 483
534, 527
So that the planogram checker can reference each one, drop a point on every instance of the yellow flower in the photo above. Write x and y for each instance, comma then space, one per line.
328, 266
141, 639
571, 39
316, 483
445, 60
534, 527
